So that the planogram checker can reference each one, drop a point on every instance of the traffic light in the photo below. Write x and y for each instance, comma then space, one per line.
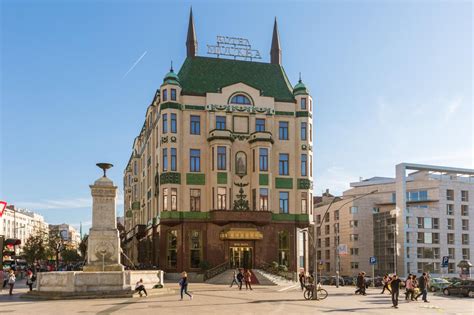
8, 246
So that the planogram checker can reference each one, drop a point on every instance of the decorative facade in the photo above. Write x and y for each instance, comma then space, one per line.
221, 172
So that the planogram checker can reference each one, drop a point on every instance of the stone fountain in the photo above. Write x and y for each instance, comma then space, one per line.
103, 275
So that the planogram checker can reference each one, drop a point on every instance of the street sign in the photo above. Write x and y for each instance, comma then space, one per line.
342, 249
445, 261
3, 205
372, 260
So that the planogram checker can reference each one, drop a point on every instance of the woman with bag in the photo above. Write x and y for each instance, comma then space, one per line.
11, 280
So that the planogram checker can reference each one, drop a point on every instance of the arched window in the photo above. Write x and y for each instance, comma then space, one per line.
240, 99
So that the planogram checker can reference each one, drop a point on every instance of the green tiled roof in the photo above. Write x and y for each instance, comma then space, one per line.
200, 75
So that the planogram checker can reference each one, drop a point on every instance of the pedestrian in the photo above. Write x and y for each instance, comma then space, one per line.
139, 287
385, 281
409, 288
11, 280
234, 279
358, 283
184, 285
361, 284
248, 279
29, 279
240, 278
423, 285
302, 279
395, 284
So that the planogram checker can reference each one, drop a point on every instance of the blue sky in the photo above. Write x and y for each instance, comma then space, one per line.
392, 82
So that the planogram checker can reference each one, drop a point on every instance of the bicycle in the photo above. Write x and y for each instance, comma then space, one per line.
308, 292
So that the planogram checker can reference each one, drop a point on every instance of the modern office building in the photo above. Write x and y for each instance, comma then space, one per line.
221, 172
68, 234
408, 223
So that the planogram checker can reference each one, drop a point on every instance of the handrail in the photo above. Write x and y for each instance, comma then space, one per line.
214, 271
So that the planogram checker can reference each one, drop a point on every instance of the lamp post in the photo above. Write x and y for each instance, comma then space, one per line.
394, 214
315, 291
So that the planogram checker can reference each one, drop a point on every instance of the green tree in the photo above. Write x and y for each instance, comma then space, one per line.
55, 244
70, 255
83, 246
35, 248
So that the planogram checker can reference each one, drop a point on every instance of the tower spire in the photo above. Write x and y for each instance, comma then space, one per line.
191, 41
275, 51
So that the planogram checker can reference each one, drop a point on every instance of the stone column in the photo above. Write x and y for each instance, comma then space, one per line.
103, 244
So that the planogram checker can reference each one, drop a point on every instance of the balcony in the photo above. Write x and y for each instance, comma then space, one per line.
220, 134
261, 136
223, 217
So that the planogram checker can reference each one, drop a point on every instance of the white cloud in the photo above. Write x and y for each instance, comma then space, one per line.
335, 178
453, 107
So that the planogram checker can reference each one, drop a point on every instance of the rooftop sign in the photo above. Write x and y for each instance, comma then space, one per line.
233, 46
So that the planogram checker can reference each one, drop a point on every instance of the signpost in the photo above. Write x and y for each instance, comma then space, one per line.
235, 47
373, 262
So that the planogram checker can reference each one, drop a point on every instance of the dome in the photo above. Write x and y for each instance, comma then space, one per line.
300, 88
171, 78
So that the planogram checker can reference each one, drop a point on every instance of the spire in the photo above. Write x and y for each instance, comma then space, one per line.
275, 51
191, 41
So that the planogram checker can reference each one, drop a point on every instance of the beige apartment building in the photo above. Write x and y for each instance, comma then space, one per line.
68, 234
408, 223
221, 172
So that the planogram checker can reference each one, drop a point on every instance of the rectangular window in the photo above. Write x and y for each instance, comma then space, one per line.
259, 124
263, 159
354, 252
304, 202
173, 94
420, 222
318, 231
254, 199
465, 239
449, 209
318, 219
327, 229
173, 123
174, 160
195, 125
450, 238
165, 123
304, 130
326, 217
466, 254
310, 132
221, 198
283, 164
283, 130
327, 243
435, 222
465, 225
165, 199
464, 195
375, 210
336, 215
354, 223
354, 237
195, 160
165, 160
284, 196
195, 199
174, 199
221, 158
195, 249
354, 265
428, 223
451, 268
172, 249
452, 253
464, 210
165, 95
450, 224
428, 238
353, 210
304, 165
303, 103
435, 238
220, 122
450, 194
264, 199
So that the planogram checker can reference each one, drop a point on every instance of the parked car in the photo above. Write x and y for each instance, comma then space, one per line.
332, 281
464, 287
324, 280
438, 284
348, 280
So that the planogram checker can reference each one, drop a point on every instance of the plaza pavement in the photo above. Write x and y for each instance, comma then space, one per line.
220, 299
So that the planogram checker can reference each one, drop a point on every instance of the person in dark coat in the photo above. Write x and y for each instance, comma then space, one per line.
423, 285
240, 278
395, 284
361, 284
302, 279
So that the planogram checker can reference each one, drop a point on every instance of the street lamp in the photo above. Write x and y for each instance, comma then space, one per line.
315, 291
394, 214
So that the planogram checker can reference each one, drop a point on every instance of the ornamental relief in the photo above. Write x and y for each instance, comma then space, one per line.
237, 108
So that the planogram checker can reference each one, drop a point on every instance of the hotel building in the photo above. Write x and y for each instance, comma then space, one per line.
221, 172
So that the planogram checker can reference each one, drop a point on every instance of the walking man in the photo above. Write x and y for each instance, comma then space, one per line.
302, 279
423, 285
395, 284
240, 278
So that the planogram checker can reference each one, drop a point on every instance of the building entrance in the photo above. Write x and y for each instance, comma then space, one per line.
241, 257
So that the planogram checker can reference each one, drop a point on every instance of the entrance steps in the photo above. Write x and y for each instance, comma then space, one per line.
266, 278
222, 278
